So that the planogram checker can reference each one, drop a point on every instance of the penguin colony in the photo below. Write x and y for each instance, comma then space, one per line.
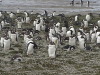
58, 31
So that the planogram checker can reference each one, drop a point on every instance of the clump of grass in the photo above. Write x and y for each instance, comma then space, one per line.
17, 45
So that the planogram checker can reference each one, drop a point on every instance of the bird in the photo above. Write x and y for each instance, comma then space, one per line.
69, 47
98, 22
27, 19
76, 18
7, 43
13, 37
72, 40
18, 10
11, 15
88, 17
85, 23
93, 37
64, 30
16, 58
52, 50
19, 24
31, 46
98, 40
82, 43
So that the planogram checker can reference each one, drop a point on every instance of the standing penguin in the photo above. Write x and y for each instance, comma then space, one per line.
85, 23
38, 26
97, 33
35, 22
29, 38
93, 37
98, 40
64, 30
88, 17
30, 47
82, 43
55, 40
7, 43
1, 14
87, 34
69, 33
11, 15
57, 29
54, 13
18, 10
2, 24
95, 28
98, 23
76, 18
13, 37
72, 40
27, 19
52, 50
2, 40
19, 24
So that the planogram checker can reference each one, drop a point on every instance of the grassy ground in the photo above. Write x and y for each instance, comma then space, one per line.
77, 62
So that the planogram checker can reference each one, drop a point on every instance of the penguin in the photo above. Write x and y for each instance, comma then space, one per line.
64, 30
69, 33
18, 10
52, 31
2, 40
7, 43
43, 27
87, 34
26, 34
79, 32
93, 37
13, 37
28, 38
73, 29
76, 18
58, 24
72, 40
97, 33
54, 13
16, 58
57, 29
55, 40
19, 24
27, 19
26, 14
81, 29
2, 24
98, 23
95, 28
41, 21
82, 43
85, 24
69, 47
35, 22
98, 40
52, 50
88, 17
11, 15
30, 48
38, 27
9, 33
1, 14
